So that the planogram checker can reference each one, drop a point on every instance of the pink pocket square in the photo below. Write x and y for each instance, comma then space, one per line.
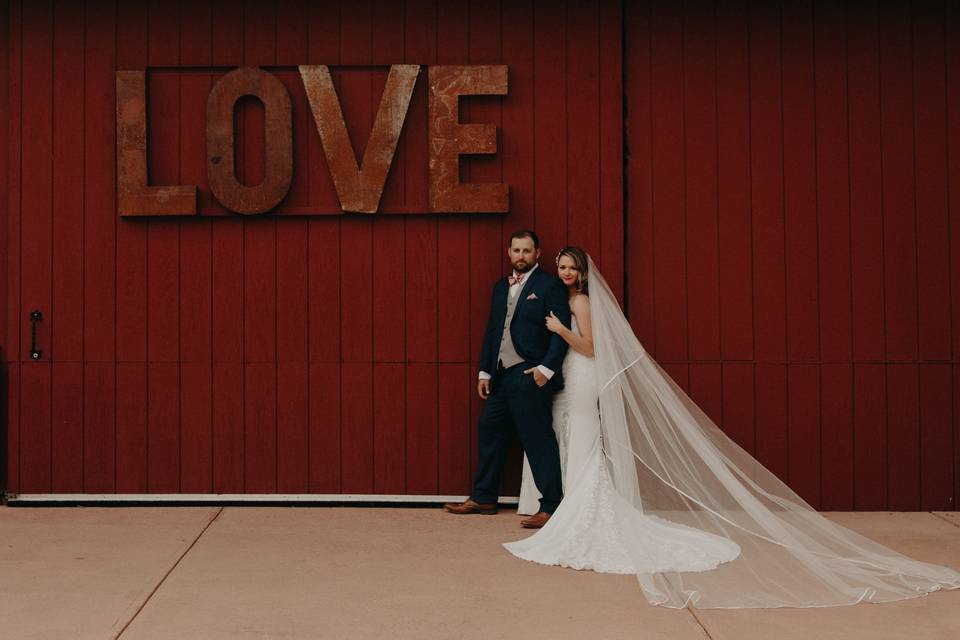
532, 296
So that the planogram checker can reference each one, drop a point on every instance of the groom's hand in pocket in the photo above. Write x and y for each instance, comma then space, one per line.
483, 388
538, 376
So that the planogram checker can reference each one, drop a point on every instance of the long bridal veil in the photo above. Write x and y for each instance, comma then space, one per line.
670, 460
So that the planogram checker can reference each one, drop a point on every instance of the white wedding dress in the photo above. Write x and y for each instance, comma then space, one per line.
654, 487
594, 526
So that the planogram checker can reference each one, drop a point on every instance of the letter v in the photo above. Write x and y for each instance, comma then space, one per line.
359, 187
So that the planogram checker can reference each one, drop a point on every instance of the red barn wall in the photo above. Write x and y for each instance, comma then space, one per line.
323, 354
793, 221
770, 189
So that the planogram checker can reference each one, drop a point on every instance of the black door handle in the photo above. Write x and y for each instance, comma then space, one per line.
35, 317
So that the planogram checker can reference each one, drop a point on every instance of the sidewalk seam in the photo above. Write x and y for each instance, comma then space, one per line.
699, 622
169, 571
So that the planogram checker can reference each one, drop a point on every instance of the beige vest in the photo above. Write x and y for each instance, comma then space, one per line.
508, 354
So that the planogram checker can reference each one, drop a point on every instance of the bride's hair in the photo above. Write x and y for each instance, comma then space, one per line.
580, 261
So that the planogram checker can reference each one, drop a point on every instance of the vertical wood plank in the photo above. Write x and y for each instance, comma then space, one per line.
163, 255
486, 242
936, 438
583, 128
833, 195
66, 313
930, 157
669, 198
227, 312
611, 146
903, 436
260, 275
870, 436
196, 261
323, 282
35, 241
734, 185
100, 230
800, 184
766, 173
772, 418
738, 404
897, 185
837, 437
639, 261
866, 213
701, 176
804, 402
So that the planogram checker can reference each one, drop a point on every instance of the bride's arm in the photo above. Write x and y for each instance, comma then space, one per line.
583, 343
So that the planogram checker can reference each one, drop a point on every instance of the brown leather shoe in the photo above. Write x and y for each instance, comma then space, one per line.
470, 507
536, 521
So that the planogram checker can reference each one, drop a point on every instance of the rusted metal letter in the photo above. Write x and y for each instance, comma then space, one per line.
359, 187
449, 139
278, 139
134, 197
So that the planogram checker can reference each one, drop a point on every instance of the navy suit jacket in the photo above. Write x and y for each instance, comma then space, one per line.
541, 294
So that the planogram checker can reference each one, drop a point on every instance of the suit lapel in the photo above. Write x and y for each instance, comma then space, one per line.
523, 293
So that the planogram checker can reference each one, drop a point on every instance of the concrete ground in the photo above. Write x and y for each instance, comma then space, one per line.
333, 572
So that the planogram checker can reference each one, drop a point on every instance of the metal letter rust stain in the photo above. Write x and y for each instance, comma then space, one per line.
359, 187
449, 139
278, 139
134, 196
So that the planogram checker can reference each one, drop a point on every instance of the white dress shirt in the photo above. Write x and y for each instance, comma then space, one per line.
514, 290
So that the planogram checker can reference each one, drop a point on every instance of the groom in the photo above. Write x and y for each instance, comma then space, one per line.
520, 369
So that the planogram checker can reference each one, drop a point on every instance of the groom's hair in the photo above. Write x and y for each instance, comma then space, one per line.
525, 233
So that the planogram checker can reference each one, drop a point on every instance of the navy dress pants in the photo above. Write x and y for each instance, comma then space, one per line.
516, 405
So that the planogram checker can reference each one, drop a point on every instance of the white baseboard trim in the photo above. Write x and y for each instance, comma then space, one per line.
219, 498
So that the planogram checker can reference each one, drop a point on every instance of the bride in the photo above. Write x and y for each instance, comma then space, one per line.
652, 487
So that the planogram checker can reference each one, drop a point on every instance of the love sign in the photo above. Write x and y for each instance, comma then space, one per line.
359, 185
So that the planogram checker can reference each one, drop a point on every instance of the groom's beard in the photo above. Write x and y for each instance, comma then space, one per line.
523, 269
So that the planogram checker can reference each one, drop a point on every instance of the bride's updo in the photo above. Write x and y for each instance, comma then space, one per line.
579, 257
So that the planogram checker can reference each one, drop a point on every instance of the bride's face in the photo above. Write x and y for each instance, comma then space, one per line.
567, 270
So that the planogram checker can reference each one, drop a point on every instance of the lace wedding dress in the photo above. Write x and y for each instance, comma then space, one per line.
593, 524
654, 487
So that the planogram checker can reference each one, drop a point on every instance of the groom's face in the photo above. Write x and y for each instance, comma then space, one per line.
522, 254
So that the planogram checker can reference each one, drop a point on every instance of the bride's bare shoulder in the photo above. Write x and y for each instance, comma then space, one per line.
580, 303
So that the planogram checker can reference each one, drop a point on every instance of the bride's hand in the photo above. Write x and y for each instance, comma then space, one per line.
554, 324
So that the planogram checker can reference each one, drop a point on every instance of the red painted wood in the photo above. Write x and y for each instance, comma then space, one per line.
669, 198
66, 427
930, 193
611, 258
761, 261
870, 436
936, 437
800, 183
772, 418
700, 167
6, 118
866, 246
903, 436
738, 404
131, 442
66, 312
803, 441
734, 186
897, 159
99, 233
639, 260
389, 422
833, 198
953, 176
836, 437
35, 242
767, 187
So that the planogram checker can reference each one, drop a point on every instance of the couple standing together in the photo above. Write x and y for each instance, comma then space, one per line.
623, 473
